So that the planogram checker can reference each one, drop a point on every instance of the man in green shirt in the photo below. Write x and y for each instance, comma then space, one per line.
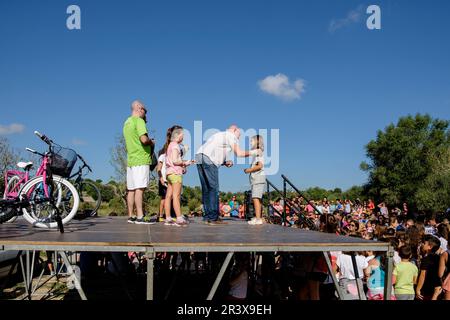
139, 148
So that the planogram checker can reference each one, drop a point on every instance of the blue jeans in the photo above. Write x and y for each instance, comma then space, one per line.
209, 179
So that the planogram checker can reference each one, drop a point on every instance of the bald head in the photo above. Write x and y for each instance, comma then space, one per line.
138, 109
234, 129
136, 105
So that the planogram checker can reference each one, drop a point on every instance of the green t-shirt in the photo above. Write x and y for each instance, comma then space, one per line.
405, 273
138, 154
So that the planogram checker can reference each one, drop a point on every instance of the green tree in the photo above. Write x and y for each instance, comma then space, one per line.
8, 158
354, 193
316, 193
107, 192
194, 204
401, 158
434, 193
119, 159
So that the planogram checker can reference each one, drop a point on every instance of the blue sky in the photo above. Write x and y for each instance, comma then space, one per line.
202, 60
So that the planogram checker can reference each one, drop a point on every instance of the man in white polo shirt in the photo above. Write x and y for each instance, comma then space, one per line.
209, 157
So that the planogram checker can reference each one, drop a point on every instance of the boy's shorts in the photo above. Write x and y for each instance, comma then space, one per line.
174, 178
258, 190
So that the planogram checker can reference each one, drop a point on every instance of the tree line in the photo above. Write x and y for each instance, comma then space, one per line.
407, 162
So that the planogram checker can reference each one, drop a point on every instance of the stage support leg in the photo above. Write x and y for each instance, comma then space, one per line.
220, 276
26, 273
150, 274
388, 274
333, 276
361, 294
70, 271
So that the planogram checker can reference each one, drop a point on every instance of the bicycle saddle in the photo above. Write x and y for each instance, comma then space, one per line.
25, 165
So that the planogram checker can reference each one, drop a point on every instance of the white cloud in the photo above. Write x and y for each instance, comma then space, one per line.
353, 16
11, 129
280, 86
78, 142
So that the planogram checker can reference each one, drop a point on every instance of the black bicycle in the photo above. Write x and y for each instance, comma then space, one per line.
90, 195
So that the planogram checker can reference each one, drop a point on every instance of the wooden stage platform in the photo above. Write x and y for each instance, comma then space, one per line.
114, 234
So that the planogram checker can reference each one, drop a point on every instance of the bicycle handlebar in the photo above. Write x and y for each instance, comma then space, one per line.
31, 150
43, 138
84, 163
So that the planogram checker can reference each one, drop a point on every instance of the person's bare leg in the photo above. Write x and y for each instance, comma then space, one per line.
168, 202
303, 292
447, 295
138, 197
257, 206
130, 203
313, 287
176, 187
161, 207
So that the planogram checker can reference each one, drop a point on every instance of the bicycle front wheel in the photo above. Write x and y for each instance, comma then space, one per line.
63, 200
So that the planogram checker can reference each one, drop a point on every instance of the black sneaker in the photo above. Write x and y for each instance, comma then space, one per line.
144, 220
132, 220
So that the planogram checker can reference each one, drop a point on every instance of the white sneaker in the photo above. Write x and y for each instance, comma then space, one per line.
255, 221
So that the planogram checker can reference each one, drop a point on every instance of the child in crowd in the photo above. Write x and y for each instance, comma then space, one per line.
348, 281
442, 233
375, 278
257, 178
234, 207
444, 272
405, 275
162, 182
429, 283
175, 168
239, 278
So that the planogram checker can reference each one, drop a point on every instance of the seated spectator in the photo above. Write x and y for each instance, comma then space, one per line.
234, 207
242, 211
221, 203
277, 206
225, 210
309, 207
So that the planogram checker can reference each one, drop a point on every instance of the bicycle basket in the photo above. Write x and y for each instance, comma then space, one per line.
62, 161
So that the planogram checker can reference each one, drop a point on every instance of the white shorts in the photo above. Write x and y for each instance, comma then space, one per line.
258, 190
138, 177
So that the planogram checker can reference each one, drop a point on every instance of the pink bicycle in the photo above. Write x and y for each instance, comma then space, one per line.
48, 200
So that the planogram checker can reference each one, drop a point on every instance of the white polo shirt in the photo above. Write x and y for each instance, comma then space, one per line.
217, 146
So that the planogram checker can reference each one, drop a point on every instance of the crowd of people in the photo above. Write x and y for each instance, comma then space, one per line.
420, 242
